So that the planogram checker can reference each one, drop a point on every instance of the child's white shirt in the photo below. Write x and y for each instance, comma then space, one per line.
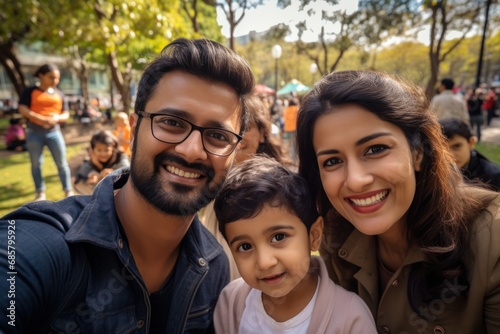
255, 319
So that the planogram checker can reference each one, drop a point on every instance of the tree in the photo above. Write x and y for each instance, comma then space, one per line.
203, 17
443, 17
382, 19
373, 21
113, 32
234, 10
411, 61
19, 21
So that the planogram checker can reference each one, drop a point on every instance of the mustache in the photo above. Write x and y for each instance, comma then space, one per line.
163, 157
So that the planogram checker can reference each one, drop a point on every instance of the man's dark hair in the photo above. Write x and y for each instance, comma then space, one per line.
259, 181
203, 58
453, 126
448, 83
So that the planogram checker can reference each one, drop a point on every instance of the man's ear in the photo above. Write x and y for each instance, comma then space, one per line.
133, 119
418, 156
316, 234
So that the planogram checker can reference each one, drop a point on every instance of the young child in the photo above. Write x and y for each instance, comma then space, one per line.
105, 156
270, 222
474, 165
15, 136
122, 132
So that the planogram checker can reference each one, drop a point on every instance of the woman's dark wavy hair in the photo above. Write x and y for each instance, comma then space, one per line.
44, 69
256, 114
443, 207
203, 58
259, 181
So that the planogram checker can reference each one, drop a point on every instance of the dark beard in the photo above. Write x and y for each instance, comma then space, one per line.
181, 200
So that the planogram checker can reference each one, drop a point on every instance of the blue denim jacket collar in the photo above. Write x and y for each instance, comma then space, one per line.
89, 226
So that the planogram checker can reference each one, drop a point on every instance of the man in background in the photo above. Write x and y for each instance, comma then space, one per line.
447, 104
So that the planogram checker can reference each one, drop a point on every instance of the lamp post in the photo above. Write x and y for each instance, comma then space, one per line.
313, 69
276, 53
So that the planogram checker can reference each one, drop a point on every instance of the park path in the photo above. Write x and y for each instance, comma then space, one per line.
491, 134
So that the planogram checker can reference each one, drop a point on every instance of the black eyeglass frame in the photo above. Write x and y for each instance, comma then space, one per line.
201, 129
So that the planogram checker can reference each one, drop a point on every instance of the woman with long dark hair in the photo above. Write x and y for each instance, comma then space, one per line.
44, 107
402, 229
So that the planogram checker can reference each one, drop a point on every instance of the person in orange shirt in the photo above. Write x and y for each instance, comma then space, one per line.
44, 107
122, 132
290, 120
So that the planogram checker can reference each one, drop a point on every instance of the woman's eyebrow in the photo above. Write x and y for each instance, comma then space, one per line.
358, 143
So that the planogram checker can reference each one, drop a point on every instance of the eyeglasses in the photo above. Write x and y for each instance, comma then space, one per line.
174, 130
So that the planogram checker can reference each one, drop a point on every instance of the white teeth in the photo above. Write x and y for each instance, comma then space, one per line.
370, 200
182, 173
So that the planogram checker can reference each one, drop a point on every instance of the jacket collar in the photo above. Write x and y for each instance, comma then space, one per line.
360, 250
98, 224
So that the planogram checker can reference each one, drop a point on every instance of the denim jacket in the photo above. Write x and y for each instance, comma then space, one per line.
73, 271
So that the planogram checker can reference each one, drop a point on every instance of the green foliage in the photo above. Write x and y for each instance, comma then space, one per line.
99, 27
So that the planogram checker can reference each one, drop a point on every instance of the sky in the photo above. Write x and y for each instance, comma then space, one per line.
269, 14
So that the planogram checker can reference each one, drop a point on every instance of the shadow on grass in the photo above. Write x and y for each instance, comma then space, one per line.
16, 191
14, 159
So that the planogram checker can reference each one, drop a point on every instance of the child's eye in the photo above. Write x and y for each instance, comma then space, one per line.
278, 237
376, 149
244, 248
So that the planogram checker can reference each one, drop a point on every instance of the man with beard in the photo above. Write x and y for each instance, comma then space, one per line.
133, 256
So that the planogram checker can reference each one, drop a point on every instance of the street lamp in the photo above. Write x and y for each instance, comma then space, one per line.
313, 69
276, 53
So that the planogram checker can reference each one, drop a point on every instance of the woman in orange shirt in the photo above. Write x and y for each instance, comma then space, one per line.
44, 107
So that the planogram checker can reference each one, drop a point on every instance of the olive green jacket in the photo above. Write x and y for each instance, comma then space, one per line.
353, 265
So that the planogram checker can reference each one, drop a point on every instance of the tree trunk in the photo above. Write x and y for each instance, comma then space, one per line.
111, 95
12, 66
122, 81
83, 76
430, 89
232, 27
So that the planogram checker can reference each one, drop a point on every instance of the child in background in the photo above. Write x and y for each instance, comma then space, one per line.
122, 132
15, 136
271, 224
474, 165
105, 156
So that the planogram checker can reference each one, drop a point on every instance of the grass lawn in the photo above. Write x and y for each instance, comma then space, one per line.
491, 151
16, 183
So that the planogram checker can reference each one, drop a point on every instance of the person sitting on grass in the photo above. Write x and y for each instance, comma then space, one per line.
271, 224
104, 157
474, 165
15, 136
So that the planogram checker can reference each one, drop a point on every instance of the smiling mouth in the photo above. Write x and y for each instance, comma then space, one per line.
180, 172
370, 200
269, 278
